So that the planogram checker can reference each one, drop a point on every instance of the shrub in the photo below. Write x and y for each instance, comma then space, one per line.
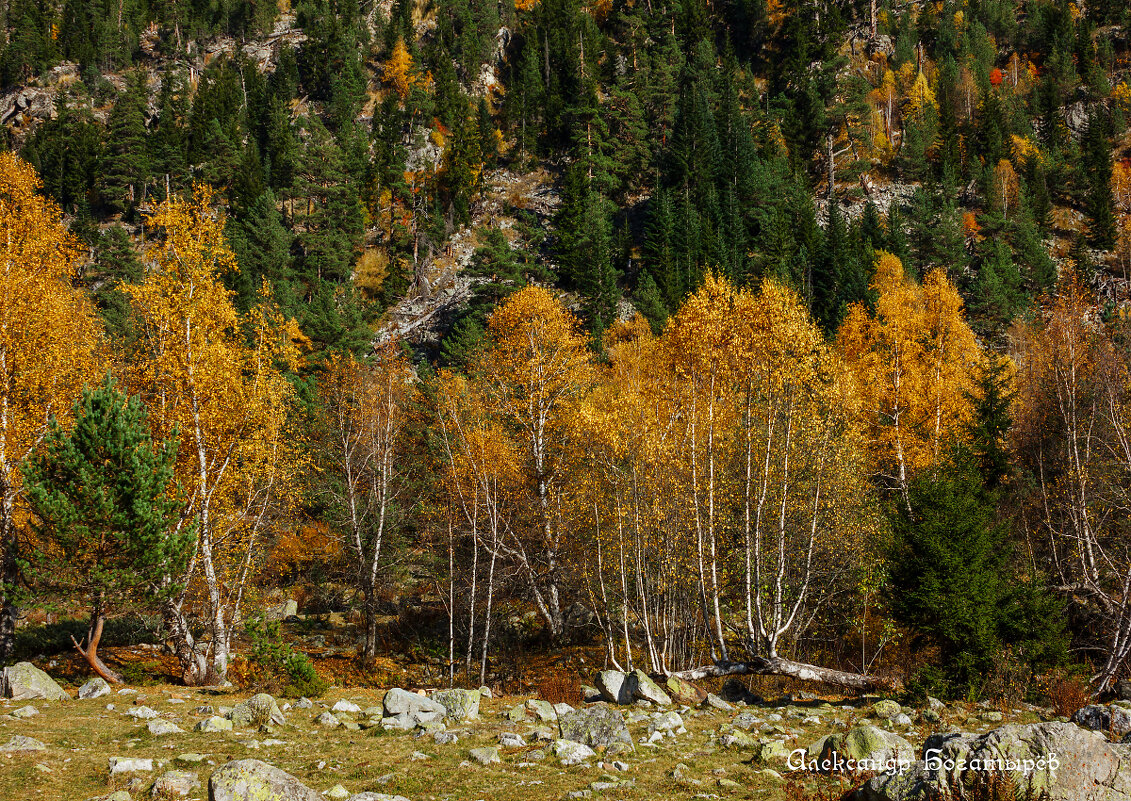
274, 664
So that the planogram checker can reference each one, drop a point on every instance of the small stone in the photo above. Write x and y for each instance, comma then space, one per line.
485, 692
95, 688
886, 709
159, 728
190, 758
485, 756
511, 740
304, 703
445, 738
901, 719
346, 706
141, 713
337, 792
25, 712
328, 720
418, 756
992, 717
120, 765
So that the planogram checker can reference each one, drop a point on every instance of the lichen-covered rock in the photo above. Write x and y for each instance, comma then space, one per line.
886, 709
488, 755
736, 739
159, 728
643, 688
328, 720
614, 687
1085, 766
459, 704
19, 744
253, 780
121, 765
713, 701
571, 752
863, 744
175, 784
684, 692
95, 688
1113, 719
416, 707
214, 724
259, 710
543, 710
597, 726
23, 681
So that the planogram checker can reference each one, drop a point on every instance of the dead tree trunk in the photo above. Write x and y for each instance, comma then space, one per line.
779, 666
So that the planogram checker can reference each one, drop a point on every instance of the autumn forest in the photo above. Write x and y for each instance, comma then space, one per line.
707, 339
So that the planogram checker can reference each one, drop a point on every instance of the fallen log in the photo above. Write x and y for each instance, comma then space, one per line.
779, 666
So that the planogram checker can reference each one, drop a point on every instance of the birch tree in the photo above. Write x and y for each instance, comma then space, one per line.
214, 378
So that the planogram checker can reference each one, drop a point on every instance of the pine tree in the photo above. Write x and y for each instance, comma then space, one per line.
108, 525
1097, 171
125, 165
948, 570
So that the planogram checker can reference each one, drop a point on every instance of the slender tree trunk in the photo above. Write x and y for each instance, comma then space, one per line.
9, 613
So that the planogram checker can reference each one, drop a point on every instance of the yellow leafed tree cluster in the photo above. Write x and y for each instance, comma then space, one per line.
705, 489
50, 343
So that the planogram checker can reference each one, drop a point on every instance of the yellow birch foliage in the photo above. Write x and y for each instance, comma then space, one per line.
913, 362
50, 338
214, 378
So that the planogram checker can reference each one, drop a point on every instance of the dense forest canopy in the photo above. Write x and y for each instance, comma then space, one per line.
713, 331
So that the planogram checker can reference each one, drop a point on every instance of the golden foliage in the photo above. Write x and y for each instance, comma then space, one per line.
912, 361
398, 70
50, 338
214, 379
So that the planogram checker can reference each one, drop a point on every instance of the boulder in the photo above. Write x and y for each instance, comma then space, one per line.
214, 724
160, 728
288, 608
259, 710
543, 710
1085, 766
509, 739
666, 721
1113, 720
684, 692
345, 706
459, 704
596, 726
614, 687
643, 688
713, 701
590, 695
846, 751
418, 708
571, 752
25, 712
252, 780
1123, 690
95, 688
19, 744
327, 719
23, 681
174, 784
120, 765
